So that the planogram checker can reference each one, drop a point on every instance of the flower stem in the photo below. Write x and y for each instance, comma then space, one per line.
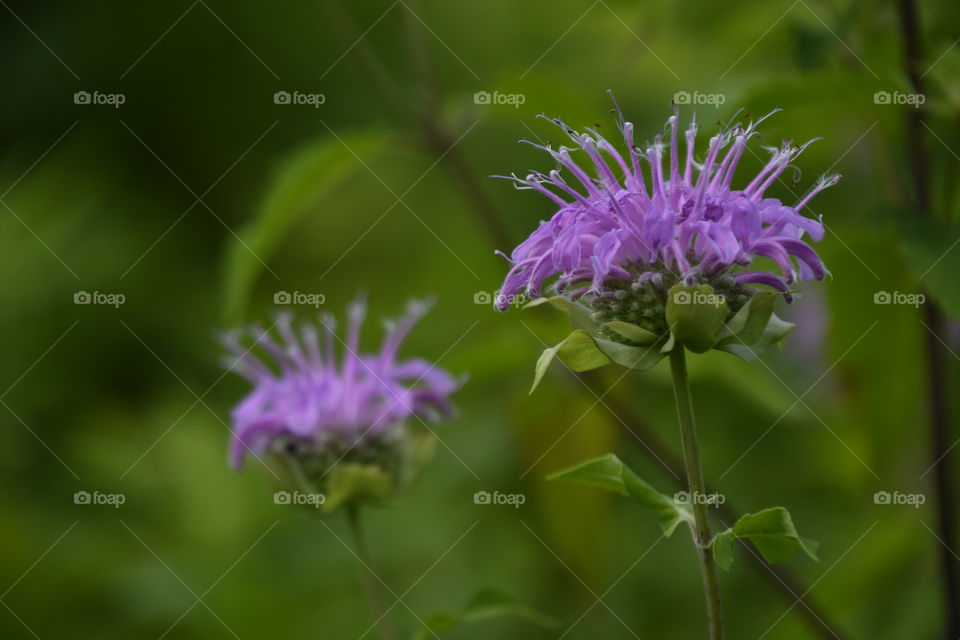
368, 577
691, 457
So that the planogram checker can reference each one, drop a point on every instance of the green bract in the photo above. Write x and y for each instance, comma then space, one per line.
699, 319
371, 476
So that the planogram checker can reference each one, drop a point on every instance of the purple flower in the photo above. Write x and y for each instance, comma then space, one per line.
309, 404
620, 237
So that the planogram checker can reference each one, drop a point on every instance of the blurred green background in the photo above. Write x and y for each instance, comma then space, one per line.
200, 197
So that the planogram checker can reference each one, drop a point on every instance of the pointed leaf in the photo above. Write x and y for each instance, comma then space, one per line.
608, 472
774, 334
636, 358
605, 472
773, 533
632, 332
748, 324
578, 351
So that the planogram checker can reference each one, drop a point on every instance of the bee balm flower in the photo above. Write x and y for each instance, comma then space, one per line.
315, 408
632, 223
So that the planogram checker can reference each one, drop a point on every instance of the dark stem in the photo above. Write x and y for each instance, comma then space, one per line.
938, 401
694, 469
370, 582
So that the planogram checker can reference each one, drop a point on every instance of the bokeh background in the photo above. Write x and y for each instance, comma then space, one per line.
200, 197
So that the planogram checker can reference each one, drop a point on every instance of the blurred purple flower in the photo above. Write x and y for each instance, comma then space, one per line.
619, 230
309, 401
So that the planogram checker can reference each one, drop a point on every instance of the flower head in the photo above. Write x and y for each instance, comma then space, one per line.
312, 405
621, 237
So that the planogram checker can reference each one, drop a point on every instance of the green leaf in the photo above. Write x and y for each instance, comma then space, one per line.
636, 358
774, 334
300, 187
485, 605
349, 482
581, 355
773, 533
608, 472
722, 547
578, 351
695, 315
748, 324
632, 332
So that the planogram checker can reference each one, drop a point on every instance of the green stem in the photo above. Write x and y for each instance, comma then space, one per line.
368, 577
691, 457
